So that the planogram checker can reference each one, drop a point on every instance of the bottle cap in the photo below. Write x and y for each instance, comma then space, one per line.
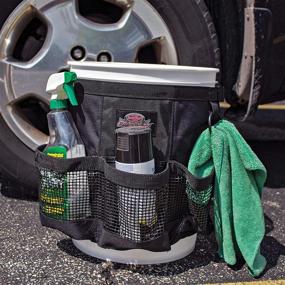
134, 145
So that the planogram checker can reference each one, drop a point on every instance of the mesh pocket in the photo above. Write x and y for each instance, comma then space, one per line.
65, 196
141, 213
177, 198
199, 204
87, 198
135, 213
199, 192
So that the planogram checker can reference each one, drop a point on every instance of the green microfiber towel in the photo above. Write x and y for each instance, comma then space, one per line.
240, 177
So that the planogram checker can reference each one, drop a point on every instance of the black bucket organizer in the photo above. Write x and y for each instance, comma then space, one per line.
88, 199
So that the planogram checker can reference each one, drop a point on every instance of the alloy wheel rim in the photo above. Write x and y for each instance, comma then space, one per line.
139, 26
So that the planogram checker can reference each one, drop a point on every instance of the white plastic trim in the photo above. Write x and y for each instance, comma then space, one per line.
138, 256
137, 73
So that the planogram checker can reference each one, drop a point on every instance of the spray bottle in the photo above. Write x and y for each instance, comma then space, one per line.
65, 142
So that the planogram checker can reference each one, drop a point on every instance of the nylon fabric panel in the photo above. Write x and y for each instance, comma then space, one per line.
190, 119
87, 117
102, 141
177, 123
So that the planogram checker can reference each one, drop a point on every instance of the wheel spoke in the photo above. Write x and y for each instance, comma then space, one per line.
26, 81
27, 132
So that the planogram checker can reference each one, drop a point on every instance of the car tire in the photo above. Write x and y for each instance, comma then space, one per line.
17, 164
190, 25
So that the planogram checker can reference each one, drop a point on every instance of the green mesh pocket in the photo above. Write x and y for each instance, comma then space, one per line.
199, 204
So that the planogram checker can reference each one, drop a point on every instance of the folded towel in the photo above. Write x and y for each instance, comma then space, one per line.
240, 177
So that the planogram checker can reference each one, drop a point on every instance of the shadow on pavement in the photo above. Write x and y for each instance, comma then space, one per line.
272, 250
270, 247
15, 192
67, 246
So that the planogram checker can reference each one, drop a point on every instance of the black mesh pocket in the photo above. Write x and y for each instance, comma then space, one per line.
199, 193
199, 204
87, 198
141, 213
65, 196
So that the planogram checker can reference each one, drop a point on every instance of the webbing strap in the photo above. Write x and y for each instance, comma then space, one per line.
99, 164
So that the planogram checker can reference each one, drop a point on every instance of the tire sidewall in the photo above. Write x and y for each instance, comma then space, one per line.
16, 158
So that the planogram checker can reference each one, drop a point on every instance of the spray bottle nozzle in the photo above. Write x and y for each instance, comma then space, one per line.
61, 87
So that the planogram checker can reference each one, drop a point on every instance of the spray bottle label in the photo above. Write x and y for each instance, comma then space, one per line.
54, 194
56, 151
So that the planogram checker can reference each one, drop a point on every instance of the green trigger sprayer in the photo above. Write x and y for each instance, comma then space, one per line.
64, 143
60, 86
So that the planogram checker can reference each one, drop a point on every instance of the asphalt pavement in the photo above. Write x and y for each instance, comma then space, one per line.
31, 254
